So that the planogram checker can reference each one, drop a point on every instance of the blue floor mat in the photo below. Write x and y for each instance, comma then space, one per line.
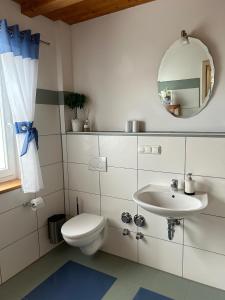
144, 294
73, 282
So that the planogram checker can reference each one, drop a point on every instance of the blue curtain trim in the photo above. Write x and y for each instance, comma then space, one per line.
30, 132
19, 43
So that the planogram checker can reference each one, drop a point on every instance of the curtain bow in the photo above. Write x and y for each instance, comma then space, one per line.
31, 134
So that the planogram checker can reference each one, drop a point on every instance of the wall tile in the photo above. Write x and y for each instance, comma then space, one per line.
156, 226
13, 199
67, 204
53, 179
119, 183
205, 232
121, 151
162, 255
16, 224
18, 256
209, 270
64, 147
112, 208
158, 178
82, 179
47, 119
45, 245
62, 115
215, 188
123, 246
50, 149
171, 158
65, 175
54, 204
81, 148
205, 156
88, 203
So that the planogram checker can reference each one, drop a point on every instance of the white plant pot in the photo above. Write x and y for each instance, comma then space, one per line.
77, 125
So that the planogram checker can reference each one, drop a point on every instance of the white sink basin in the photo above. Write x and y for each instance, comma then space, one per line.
163, 201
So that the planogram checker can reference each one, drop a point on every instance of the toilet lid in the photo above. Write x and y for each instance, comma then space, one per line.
82, 225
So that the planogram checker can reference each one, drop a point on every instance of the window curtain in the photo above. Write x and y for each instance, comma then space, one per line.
19, 52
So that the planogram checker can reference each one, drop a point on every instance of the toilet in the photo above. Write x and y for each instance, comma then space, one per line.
86, 231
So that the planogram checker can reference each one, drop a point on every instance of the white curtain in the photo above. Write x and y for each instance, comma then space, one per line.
19, 69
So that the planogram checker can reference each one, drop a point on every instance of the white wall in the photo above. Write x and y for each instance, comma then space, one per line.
116, 60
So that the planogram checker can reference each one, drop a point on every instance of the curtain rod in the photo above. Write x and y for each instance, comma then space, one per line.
46, 43
42, 41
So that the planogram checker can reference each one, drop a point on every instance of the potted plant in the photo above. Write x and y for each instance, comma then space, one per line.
75, 101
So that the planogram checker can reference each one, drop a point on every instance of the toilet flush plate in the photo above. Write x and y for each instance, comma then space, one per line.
98, 163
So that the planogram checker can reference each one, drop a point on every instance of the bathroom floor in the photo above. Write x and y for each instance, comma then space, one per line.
130, 277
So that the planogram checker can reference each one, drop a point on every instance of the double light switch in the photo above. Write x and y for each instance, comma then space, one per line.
149, 149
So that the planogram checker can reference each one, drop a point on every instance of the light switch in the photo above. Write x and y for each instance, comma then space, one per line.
98, 163
156, 149
147, 149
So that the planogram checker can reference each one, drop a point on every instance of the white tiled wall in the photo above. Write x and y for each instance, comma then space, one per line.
199, 240
23, 233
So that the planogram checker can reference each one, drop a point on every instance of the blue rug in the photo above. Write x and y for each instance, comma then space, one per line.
144, 294
73, 282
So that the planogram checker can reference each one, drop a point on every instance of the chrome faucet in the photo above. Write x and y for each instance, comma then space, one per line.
174, 185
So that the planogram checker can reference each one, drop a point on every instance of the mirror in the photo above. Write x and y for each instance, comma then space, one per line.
186, 77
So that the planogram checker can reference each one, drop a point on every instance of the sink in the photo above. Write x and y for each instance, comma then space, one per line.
161, 200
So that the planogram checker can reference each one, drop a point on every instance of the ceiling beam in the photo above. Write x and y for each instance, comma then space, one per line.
75, 11
89, 9
41, 7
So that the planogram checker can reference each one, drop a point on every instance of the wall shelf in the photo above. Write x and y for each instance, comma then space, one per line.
152, 133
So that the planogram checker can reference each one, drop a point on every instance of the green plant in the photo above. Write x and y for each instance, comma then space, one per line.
75, 101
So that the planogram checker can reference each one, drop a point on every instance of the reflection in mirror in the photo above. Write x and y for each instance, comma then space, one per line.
186, 77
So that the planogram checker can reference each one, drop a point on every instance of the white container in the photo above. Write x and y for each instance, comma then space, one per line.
189, 185
128, 126
77, 125
135, 126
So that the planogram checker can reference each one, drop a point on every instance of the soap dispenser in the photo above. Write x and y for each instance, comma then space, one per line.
189, 185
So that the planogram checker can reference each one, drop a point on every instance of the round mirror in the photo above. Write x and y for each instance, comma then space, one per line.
186, 77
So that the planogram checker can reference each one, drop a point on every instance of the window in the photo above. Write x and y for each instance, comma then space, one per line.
7, 141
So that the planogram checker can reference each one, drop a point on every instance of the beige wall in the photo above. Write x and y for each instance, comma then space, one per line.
116, 60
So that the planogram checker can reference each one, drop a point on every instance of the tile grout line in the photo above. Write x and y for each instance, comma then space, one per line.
52, 164
37, 224
62, 120
99, 178
19, 239
185, 164
137, 210
66, 169
153, 171
68, 178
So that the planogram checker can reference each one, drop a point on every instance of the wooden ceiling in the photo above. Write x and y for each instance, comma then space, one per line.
74, 11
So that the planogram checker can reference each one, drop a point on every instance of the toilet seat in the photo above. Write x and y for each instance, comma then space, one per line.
82, 226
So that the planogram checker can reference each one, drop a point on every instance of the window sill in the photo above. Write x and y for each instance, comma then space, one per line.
11, 185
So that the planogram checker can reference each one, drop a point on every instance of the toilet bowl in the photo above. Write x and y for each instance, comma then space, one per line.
86, 231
